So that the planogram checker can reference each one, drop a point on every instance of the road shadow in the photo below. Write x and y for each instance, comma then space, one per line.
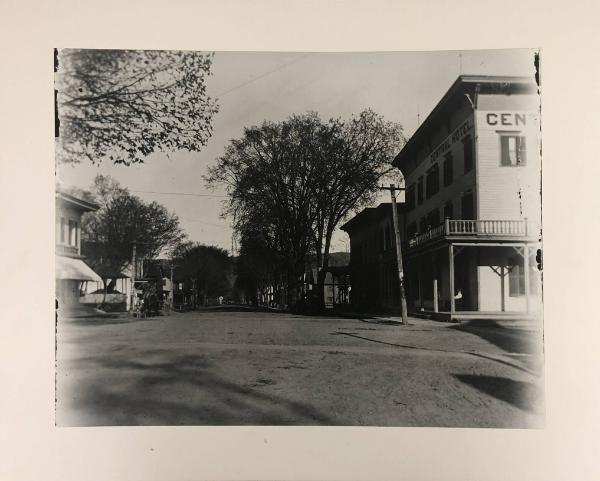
384, 322
106, 320
509, 339
234, 308
514, 365
523, 395
184, 391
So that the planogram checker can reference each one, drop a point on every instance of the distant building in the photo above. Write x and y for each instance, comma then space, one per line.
71, 270
373, 264
473, 206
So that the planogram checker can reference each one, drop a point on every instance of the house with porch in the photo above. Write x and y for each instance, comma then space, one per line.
71, 270
472, 216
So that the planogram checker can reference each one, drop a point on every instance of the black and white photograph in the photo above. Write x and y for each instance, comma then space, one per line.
298, 238
304, 241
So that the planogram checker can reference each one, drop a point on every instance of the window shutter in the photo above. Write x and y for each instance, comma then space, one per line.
521, 151
504, 150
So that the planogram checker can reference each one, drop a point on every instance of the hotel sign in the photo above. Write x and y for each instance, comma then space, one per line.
507, 119
457, 134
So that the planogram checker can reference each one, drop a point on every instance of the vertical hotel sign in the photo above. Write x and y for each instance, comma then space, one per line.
457, 135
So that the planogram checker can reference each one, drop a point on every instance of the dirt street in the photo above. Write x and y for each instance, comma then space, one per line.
251, 368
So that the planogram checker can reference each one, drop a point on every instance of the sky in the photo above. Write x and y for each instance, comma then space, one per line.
255, 86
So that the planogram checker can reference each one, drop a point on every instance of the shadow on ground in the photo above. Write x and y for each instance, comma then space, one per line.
186, 391
509, 339
523, 395
102, 321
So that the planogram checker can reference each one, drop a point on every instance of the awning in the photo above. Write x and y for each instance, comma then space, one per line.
74, 269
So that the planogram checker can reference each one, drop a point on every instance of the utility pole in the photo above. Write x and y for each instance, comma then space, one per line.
172, 288
133, 273
392, 188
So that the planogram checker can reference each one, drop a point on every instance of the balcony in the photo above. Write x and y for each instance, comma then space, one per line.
473, 228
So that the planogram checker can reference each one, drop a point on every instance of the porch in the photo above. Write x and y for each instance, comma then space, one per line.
466, 272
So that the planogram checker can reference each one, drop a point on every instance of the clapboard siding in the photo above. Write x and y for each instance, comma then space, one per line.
507, 192
461, 183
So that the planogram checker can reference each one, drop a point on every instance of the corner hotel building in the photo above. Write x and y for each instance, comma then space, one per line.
473, 202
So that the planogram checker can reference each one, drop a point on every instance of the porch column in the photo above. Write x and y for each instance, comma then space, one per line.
333, 289
526, 275
435, 282
502, 288
419, 279
451, 270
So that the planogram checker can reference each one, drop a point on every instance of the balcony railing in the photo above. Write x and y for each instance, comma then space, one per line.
486, 227
508, 228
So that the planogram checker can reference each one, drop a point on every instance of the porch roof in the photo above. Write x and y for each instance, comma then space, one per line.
68, 268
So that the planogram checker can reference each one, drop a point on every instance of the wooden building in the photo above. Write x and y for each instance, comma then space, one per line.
373, 265
71, 270
473, 202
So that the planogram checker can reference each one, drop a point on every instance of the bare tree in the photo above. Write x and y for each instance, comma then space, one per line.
108, 234
269, 176
351, 165
123, 105
298, 179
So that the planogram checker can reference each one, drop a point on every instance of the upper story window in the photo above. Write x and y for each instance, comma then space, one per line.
512, 148
73, 233
410, 197
433, 218
420, 190
448, 169
467, 206
411, 230
433, 181
388, 237
468, 154
63, 229
356, 254
448, 210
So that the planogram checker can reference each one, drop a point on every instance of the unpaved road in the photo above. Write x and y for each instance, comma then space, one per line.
251, 368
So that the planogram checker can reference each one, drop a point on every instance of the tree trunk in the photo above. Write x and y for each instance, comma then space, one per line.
322, 274
111, 286
292, 294
103, 294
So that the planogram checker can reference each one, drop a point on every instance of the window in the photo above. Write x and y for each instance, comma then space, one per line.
432, 181
356, 255
448, 210
72, 233
63, 229
423, 225
411, 230
468, 154
512, 149
420, 190
448, 170
433, 218
516, 278
467, 206
388, 237
410, 197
